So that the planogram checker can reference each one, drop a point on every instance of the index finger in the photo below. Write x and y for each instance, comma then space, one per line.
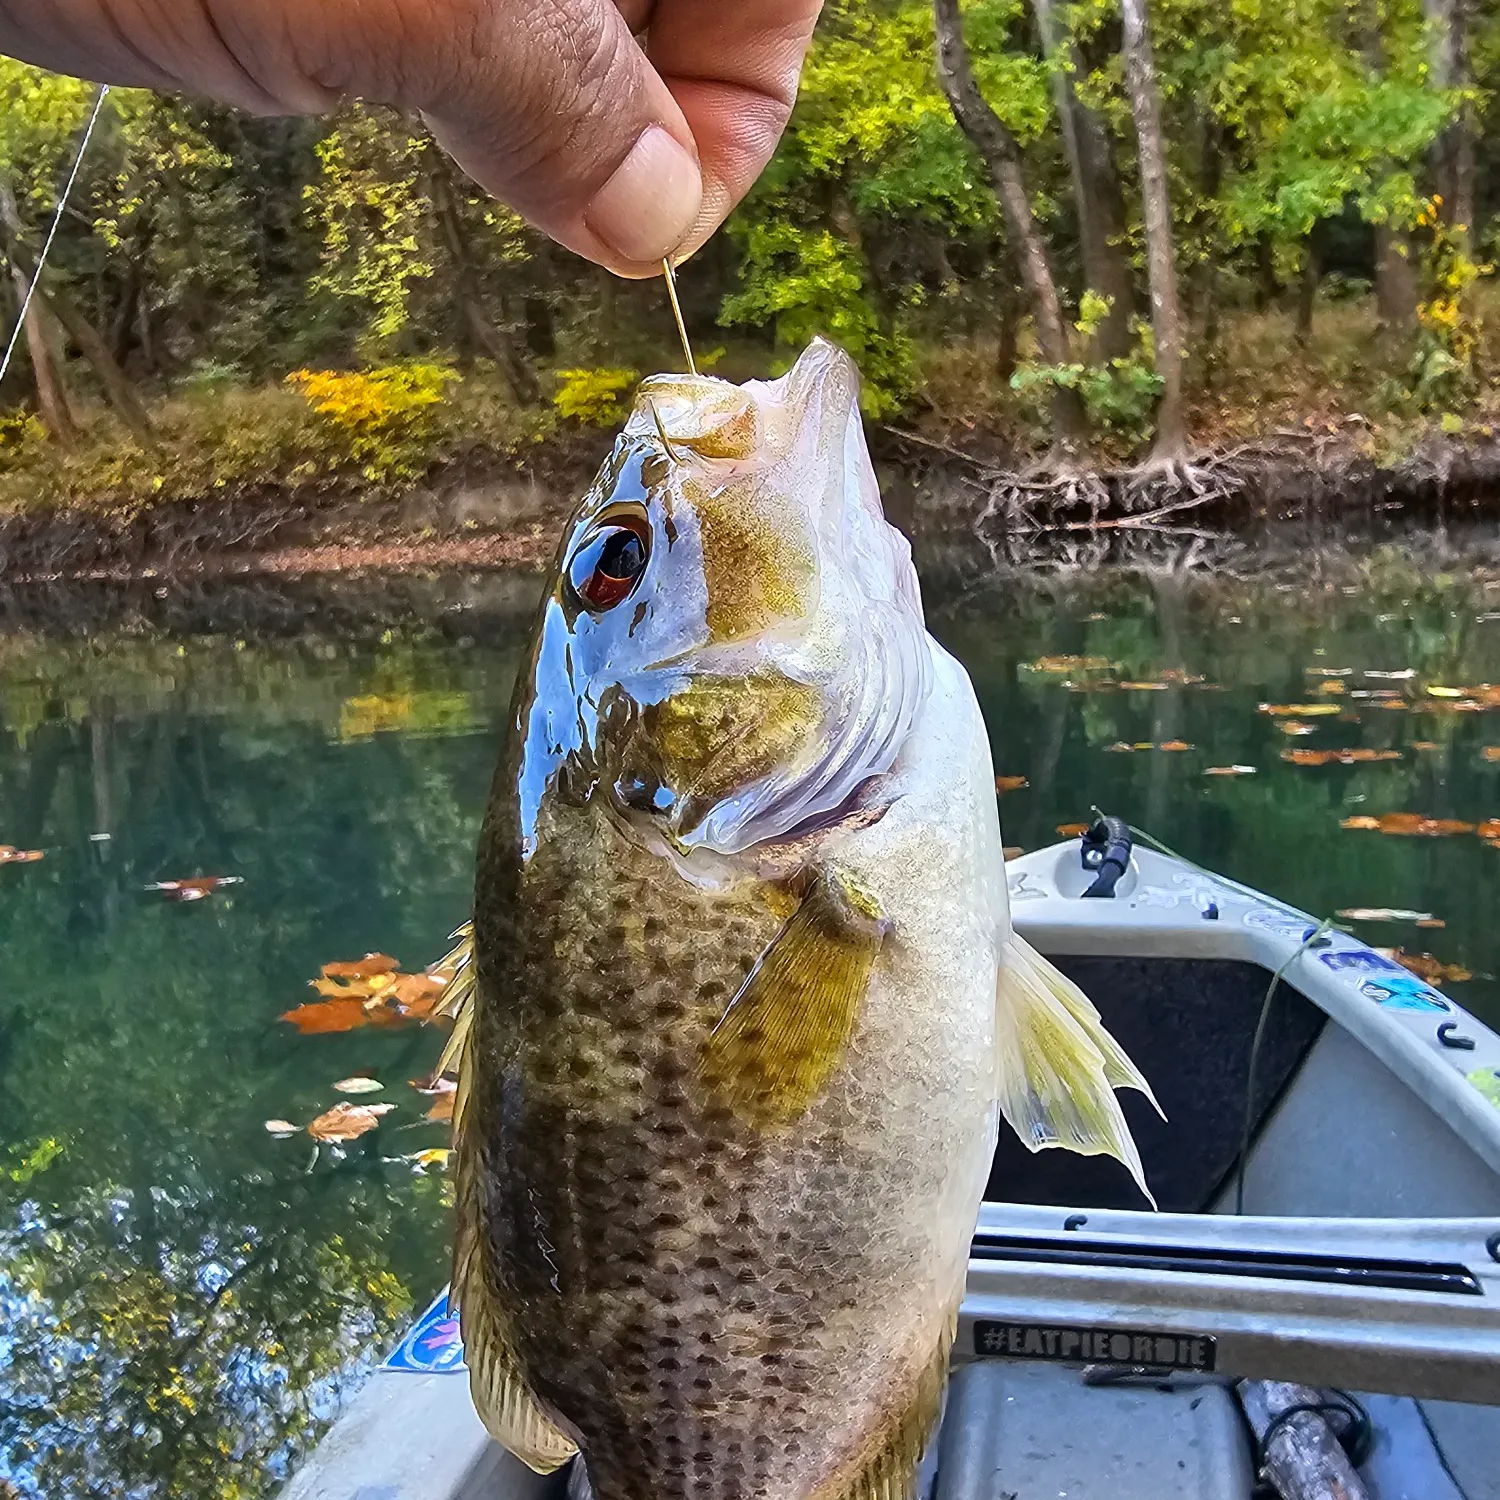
732, 66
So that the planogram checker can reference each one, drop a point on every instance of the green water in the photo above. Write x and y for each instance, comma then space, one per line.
184, 1300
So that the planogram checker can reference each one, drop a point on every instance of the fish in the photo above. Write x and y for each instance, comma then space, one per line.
742, 1006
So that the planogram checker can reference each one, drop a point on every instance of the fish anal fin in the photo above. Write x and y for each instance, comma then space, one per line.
786, 1030
497, 1382
887, 1466
1058, 1067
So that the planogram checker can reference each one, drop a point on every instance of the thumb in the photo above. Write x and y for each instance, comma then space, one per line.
554, 109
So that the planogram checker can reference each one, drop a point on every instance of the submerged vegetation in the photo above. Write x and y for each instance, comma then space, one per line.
1127, 227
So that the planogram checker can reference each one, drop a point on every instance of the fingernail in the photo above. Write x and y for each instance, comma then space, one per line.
650, 205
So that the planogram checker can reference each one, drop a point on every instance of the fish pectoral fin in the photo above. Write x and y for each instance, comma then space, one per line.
1058, 1067
785, 1031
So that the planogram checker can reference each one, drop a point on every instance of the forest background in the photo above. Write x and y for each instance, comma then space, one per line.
1098, 232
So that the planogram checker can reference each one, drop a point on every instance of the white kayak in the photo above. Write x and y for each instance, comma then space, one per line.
1103, 1348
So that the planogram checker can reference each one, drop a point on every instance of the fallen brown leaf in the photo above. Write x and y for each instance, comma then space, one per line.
1300, 710
347, 1122
328, 1016
1413, 825
1357, 756
9, 855
1425, 966
1230, 771
1072, 830
442, 1107
1491, 752
1010, 783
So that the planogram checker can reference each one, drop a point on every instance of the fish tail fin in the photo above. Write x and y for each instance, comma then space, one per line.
497, 1381
1058, 1066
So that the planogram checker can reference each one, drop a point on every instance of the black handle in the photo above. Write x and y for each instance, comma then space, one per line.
1107, 848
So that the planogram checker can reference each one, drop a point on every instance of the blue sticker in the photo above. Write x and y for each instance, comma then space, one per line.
1360, 961
1290, 924
1403, 992
432, 1345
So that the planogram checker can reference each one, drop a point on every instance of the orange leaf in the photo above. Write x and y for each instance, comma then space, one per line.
1489, 829
368, 967
1010, 783
1145, 687
1430, 745
347, 1122
442, 1107
1359, 755
1072, 830
1175, 745
1300, 710
1230, 771
13, 856
1425, 966
1491, 752
1412, 825
1362, 822
328, 1016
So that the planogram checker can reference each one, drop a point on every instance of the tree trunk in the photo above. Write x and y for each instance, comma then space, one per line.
1096, 189
1002, 160
486, 335
1452, 157
1395, 279
51, 391
1161, 264
76, 325
1307, 292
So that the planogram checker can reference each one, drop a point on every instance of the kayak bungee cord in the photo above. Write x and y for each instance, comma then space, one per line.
1314, 938
62, 204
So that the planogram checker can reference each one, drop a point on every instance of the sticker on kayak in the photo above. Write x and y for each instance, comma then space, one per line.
1403, 992
1287, 924
1096, 1346
432, 1345
1359, 961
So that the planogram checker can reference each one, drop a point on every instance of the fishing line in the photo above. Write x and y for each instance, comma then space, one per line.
62, 204
687, 348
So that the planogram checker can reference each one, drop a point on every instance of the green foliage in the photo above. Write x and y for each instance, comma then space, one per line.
805, 283
1119, 395
595, 398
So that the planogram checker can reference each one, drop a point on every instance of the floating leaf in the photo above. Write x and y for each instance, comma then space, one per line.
371, 966
1175, 745
1182, 677
358, 1084
1359, 755
1010, 783
281, 1129
1145, 687
433, 1084
1072, 830
10, 855
1329, 671
1434, 691
1410, 825
1230, 771
1295, 726
1491, 753
196, 889
1384, 914
1425, 745
1333, 688
1489, 829
1404, 674
347, 1122
434, 1156
1300, 710
328, 1016
1119, 748
442, 1107
1425, 966
1064, 664
1013, 851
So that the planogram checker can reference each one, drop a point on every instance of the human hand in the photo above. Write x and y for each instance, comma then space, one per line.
623, 154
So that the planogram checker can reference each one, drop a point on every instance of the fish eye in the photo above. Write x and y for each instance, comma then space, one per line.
605, 569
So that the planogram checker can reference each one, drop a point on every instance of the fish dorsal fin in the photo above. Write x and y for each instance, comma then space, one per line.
1058, 1067
497, 1383
785, 1031
887, 1468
